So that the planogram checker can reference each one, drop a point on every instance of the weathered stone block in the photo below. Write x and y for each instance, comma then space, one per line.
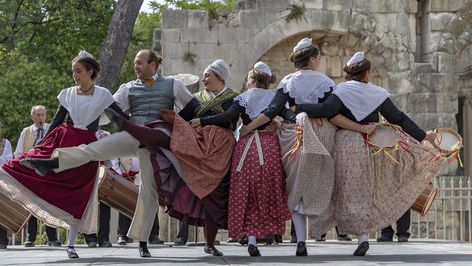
400, 101
328, 49
338, 5
170, 35
197, 19
349, 40
399, 82
456, 26
273, 4
446, 5
423, 68
360, 23
447, 63
198, 35
432, 102
438, 82
203, 50
174, 50
236, 34
225, 50
385, 6
248, 18
180, 66
315, 4
174, 19
403, 61
330, 20
439, 20
434, 120
335, 66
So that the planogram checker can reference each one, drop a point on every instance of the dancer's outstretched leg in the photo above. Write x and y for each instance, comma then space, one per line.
144, 134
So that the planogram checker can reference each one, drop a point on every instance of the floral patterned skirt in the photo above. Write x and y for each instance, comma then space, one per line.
372, 192
257, 199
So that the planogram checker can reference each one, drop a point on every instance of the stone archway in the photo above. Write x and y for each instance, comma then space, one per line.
348, 31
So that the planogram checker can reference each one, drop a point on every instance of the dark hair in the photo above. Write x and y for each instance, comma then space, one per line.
357, 71
261, 79
301, 57
152, 57
89, 63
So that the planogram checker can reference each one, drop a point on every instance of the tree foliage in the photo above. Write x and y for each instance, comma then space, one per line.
38, 40
147, 22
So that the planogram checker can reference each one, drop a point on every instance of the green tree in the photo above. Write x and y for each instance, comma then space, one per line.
38, 40
146, 23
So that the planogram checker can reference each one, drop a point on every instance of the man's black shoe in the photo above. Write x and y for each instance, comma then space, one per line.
213, 251
402, 239
104, 244
383, 238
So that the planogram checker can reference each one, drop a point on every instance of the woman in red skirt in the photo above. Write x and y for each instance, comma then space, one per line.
257, 199
69, 198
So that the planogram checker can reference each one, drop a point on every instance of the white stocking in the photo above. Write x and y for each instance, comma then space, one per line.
299, 221
72, 236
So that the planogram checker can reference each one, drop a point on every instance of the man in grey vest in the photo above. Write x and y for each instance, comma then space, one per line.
30, 137
144, 97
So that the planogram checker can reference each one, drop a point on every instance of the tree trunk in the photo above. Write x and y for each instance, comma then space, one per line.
116, 44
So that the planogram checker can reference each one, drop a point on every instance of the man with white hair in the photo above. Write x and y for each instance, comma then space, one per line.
30, 137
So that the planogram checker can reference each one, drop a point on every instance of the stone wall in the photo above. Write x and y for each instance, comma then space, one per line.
421, 50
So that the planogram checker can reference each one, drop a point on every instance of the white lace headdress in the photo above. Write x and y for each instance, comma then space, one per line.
84, 53
356, 58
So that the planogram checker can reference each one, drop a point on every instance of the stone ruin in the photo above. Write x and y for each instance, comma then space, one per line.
421, 49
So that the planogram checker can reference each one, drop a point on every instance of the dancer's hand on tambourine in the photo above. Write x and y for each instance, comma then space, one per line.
431, 137
195, 122
368, 129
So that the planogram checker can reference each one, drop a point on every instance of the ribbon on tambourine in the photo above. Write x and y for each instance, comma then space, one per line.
297, 145
399, 144
306, 138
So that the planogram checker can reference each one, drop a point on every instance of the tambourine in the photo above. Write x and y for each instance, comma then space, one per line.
449, 143
386, 138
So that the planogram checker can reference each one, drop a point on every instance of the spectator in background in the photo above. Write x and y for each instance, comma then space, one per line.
30, 137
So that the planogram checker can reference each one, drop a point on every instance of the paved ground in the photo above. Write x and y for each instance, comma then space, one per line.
419, 252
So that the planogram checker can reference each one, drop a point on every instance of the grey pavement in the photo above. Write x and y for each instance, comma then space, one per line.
415, 252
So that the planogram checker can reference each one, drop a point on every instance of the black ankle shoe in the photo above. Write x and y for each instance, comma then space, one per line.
384, 238
253, 251
40, 166
115, 118
361, 249
143, 250
301, 249
213, 251
71, 253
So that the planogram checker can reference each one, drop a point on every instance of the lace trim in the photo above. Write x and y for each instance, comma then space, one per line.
50, 214
255, 101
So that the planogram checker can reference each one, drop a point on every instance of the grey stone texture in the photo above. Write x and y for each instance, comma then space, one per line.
421, 50
418, 48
